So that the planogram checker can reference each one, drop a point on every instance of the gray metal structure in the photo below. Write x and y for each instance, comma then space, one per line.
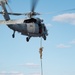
31, 27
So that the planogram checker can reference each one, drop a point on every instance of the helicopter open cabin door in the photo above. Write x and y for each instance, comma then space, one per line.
30, 27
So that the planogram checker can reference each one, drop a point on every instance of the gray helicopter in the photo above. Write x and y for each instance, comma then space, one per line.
31, 26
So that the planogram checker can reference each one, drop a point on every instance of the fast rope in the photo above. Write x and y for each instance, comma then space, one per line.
40, 51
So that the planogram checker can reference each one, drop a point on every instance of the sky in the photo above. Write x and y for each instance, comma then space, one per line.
18, 57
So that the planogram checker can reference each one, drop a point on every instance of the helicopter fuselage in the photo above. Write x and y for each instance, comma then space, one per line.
31, 27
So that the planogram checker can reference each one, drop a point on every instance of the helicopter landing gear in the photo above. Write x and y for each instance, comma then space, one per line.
44, 37
27, 39
13, 35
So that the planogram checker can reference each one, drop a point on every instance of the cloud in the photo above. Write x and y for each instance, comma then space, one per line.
67, 18
35, 74
49, 25
30, 65
72, 42
11, 73
63, 46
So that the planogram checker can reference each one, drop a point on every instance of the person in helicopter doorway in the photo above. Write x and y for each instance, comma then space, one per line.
40, 27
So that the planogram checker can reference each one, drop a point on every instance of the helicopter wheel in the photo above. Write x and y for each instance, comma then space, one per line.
44, 37
27, 39
13, 35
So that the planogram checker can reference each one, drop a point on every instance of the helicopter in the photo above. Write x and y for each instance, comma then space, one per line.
30, 27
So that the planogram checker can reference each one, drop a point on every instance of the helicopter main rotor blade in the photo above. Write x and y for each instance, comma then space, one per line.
55, 12
9, 6
33, 5
68, 10
17, 14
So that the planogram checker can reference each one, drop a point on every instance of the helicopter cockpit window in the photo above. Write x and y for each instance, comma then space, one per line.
30, 20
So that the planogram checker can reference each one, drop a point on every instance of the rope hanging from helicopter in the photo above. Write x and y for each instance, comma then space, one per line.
40, 51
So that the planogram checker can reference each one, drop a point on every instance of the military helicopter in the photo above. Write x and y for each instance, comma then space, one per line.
31, 26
